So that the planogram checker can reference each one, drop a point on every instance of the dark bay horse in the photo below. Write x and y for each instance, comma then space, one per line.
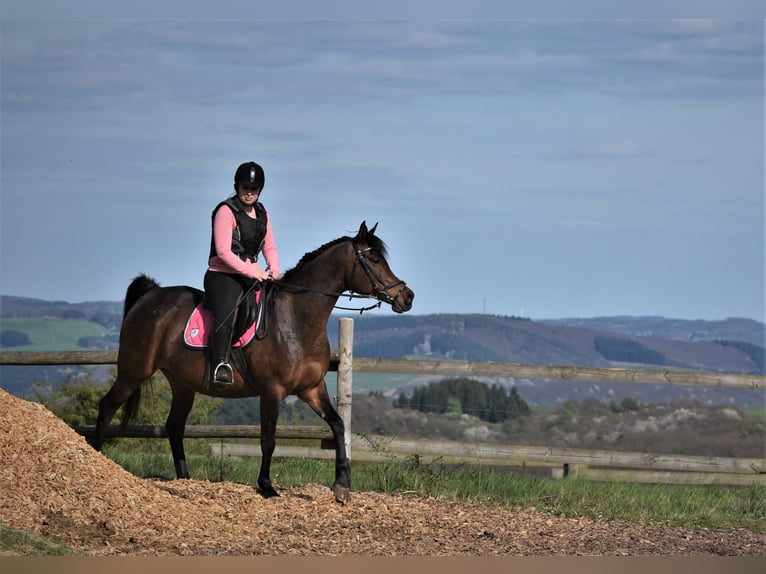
292, 358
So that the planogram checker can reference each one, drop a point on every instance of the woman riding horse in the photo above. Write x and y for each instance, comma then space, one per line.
241, 230
291, 359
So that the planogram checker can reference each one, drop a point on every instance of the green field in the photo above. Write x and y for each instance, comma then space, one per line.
52, 333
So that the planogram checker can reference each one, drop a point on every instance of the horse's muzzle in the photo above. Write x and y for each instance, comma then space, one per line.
403, 300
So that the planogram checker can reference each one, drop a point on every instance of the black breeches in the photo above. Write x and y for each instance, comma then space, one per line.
222, 290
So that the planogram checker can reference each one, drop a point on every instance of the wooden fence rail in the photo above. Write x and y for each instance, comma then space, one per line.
448, 368
570, 373
210, 431
657, 468
597, 465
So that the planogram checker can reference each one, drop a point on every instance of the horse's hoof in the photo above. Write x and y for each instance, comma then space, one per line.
267, 492
342, 493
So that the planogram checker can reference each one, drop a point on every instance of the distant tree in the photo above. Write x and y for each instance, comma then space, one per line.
497, 404
755, 352
76, 401
106, 319
103, 342
626, 404
492, 404
627, 351
72, 314
244, 411
630, 404
454, 407
516, 405
11, 338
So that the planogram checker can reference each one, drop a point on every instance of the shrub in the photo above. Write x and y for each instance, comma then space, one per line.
11, 338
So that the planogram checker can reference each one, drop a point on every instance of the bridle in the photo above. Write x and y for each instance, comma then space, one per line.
379, 288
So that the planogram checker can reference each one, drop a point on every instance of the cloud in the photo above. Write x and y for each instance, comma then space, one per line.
438, 128
617, 149
200, 62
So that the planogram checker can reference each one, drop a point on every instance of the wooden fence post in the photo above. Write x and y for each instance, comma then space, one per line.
345, 370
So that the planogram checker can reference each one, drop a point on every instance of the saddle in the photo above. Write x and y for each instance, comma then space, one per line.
200, 323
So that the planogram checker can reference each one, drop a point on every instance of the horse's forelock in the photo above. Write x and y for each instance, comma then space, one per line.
378, 245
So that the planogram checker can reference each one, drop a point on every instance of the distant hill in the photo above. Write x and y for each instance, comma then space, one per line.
737, 329
516, 340
605, 344
105, 313
731, 345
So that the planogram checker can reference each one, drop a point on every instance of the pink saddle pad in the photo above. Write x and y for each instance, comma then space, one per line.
200, 324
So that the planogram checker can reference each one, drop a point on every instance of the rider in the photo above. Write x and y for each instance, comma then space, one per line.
241, 230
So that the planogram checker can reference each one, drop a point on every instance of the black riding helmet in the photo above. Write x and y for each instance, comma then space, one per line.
250, 174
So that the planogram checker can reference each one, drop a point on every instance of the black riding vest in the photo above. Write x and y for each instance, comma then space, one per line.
247, 238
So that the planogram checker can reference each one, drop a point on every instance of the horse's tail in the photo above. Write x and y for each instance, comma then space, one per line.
137, 289
130, 408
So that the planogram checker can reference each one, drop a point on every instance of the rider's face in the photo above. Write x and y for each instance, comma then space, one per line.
248, 195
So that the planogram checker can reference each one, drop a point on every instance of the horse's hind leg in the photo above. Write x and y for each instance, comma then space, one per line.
180, 406
122, 390
318, 399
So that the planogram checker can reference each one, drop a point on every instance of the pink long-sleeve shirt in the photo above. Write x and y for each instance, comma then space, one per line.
226, 261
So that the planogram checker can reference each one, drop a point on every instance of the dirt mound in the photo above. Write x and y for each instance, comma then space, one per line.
53, 483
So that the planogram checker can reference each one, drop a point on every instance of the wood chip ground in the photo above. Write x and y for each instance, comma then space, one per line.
54, 484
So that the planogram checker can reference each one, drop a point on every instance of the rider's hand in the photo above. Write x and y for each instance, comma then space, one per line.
259, 274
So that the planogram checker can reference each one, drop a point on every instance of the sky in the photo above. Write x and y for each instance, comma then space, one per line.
544, 166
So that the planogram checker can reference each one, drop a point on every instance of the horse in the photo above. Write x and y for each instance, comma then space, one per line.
291, 358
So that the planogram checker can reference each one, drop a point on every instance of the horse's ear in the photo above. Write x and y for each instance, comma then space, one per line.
364, 232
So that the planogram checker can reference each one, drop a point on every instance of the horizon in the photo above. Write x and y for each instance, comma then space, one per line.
412, 313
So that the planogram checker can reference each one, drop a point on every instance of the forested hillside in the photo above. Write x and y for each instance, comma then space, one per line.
732, 346
518, 340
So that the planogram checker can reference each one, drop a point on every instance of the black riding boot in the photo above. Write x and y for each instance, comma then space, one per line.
219, 355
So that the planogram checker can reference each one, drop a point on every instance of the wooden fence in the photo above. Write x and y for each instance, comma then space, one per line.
595, 465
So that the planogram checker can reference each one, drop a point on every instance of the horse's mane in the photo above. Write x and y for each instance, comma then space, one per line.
373, 241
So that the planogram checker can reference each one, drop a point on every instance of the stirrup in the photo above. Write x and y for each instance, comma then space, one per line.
223, 374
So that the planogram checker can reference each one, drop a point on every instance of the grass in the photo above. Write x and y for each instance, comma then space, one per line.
716, 507
52, 334
759, 412
18, 543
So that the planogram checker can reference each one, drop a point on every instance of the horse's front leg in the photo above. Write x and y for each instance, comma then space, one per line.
269, 415
318, 399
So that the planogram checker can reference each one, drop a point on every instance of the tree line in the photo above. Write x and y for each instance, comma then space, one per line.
467, 396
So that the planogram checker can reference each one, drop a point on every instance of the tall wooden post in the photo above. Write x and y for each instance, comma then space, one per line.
345, 371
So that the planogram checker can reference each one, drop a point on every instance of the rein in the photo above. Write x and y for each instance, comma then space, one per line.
301, 289
378, 292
